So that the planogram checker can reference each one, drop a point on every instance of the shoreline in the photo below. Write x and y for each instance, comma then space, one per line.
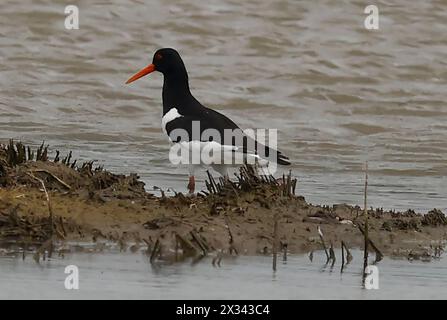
86, 204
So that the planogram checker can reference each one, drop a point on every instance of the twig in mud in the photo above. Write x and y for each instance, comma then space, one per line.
176, 249
42, 152
439, 250
332, 252
320, 233
197, 259
332, 255
211, 185
60, 234
290, 185
61, 222
365, 233
275, 240
149, 247
54, 177
50, 210
199, 242
56, 158
349, 256
46, 246
284, 250
66, 160
230, 235
217, 259
25, 247
155, 251
348, 252
379, 254
188, 249
204, 242
46, 194
122, 243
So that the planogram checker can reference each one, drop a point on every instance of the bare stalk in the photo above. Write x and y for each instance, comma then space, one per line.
50, 212
275, 240
320, 233
365, 254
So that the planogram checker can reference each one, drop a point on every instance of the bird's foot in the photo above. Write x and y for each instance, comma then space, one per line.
191, 184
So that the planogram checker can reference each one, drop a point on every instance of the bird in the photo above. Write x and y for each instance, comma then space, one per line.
182, 113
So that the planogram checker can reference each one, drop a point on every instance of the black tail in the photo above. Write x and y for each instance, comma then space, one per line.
282, 159
265, 152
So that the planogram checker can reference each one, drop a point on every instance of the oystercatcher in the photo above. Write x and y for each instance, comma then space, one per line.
182, 113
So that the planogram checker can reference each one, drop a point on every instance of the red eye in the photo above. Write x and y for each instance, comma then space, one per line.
158, 56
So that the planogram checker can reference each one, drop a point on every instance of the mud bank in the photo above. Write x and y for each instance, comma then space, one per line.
47, 203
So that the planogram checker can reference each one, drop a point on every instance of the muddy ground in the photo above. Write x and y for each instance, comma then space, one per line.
47, 203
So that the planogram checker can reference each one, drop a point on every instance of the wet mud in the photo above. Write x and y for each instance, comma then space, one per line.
54, 206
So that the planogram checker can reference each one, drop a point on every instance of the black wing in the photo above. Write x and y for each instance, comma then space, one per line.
210, 125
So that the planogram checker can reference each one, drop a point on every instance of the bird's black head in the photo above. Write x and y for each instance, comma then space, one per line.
166, 61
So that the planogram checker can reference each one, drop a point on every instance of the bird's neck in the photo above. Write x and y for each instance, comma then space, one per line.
176, 93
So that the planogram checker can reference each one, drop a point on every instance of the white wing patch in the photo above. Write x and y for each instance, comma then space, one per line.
222, 154
168, 117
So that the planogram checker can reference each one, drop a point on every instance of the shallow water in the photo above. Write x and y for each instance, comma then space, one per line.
338, 94
130, 276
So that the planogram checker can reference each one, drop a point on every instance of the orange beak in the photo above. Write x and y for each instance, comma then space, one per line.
150, 68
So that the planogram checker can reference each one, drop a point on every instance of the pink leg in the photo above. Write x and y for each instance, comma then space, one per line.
191, 184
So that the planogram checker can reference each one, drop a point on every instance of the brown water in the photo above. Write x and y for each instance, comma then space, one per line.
339, 94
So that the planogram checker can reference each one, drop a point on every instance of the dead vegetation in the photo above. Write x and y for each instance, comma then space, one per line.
47, 199
29, 233
434, 218
19, 166
248, 180
15, 227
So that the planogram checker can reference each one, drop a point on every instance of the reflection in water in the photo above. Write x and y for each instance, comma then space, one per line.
338, 94
130, 276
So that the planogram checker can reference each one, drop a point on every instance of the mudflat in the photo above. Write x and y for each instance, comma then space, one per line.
52, 202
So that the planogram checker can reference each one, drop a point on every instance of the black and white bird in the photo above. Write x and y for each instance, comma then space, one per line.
181, 110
